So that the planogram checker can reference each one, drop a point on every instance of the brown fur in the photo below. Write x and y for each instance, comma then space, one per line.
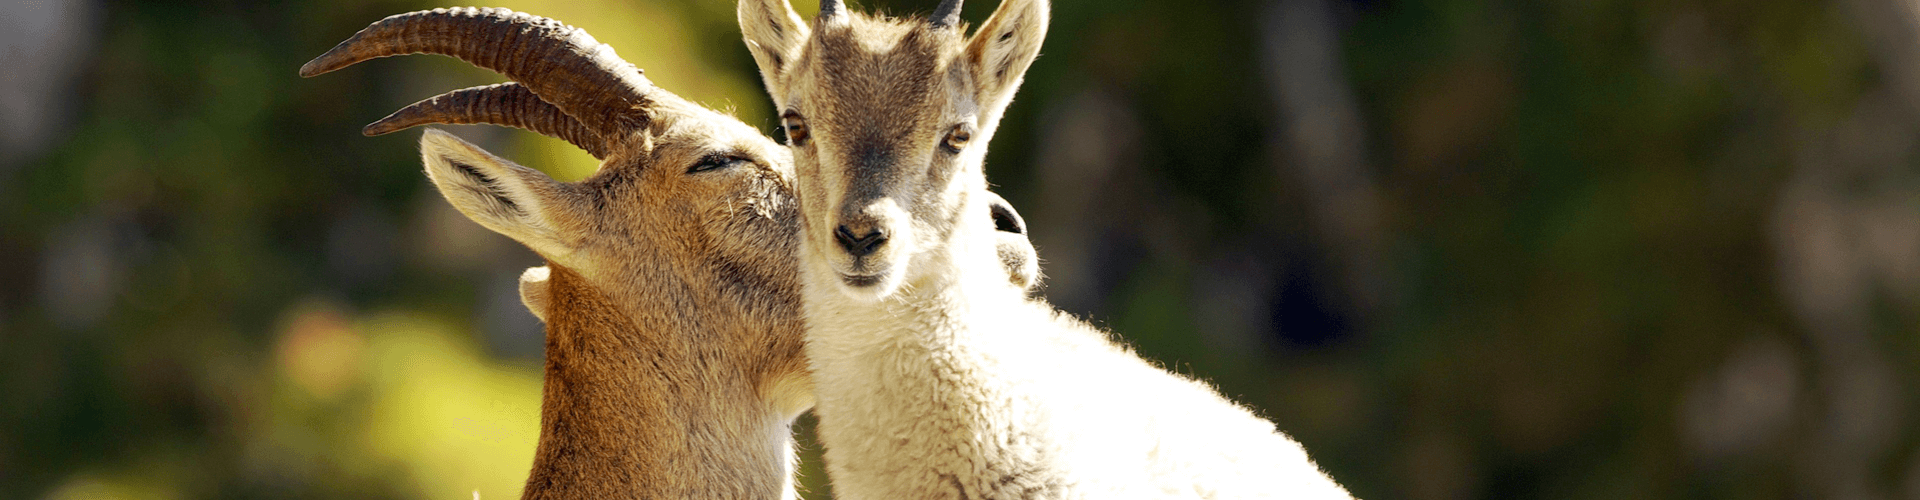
674, 363
610, 381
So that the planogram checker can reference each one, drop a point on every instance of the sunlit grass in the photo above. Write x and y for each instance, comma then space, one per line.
454, 421
395, 397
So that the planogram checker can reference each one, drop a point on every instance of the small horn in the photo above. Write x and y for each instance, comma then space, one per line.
947, 15
830, 8
510, 104
561, 64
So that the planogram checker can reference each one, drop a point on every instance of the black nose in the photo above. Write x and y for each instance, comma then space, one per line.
859, 246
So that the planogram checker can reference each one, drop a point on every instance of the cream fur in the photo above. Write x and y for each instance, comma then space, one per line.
934, 376
959, 386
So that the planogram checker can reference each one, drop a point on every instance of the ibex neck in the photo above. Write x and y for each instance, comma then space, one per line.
631, 413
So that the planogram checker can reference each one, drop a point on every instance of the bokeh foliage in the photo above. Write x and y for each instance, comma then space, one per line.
218, 288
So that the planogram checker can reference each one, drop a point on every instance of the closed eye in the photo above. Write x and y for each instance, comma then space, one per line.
716, 161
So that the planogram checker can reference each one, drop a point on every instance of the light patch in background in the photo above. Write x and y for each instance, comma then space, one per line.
43, 46
1745, 405
393, 398
455, 422
97, 486
319, 350
156, 473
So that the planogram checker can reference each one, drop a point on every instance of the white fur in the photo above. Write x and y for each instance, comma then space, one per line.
941, 379
958, 381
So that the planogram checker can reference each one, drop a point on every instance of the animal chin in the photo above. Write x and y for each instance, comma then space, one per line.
862, 281
867, 287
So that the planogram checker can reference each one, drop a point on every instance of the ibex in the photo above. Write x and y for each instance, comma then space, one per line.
673, 338
934, 378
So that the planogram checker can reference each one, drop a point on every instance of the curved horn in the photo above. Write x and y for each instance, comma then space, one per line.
510, 104
830, 8
562, 64
947, 15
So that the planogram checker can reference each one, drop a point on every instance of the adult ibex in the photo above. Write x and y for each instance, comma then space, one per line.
934, 378
673, 342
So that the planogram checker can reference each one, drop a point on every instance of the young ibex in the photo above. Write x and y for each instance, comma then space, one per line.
673, 350
933, 377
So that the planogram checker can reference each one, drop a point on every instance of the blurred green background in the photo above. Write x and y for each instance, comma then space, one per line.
1577, 249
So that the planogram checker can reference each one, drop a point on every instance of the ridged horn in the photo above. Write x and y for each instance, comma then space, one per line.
510, 104
947, 15
830, 8
561, 64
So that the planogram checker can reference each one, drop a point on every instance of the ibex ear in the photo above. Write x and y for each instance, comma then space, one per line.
774, 34
509, 199
1001, 50
533, 291
1016, 251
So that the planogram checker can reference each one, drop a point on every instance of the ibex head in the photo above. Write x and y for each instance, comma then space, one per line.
887, 120
680, 187
671, 298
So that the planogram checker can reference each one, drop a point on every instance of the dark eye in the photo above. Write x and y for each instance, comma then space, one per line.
796, 128
714, 162
957, 138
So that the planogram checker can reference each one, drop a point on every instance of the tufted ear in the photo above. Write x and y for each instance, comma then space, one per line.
774, 34
533, 291
1000, 51
509, 199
